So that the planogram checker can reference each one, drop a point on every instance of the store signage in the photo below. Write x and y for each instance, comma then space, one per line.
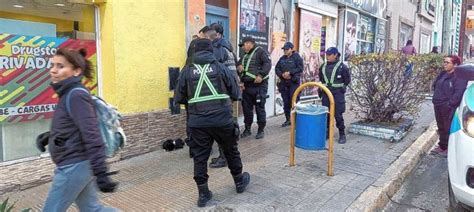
371, 6
25, 91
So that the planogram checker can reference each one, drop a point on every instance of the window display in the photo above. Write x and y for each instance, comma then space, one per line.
30, 34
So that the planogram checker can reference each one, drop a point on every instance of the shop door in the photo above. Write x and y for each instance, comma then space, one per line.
222, 20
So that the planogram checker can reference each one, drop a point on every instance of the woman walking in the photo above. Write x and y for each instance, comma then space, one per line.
74, 141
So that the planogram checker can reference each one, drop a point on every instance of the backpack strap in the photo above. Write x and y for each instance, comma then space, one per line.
68, 98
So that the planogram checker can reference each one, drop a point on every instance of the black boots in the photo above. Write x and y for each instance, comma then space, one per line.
287, 122
260, 134
246, 132
220, 161
342, 138
241, 181
204, 195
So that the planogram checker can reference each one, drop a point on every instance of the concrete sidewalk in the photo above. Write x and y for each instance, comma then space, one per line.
163, 180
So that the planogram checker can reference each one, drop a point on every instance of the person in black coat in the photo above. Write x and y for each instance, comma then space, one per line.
208, 87
254, 68
288, 69
336, 76
74, 141
448, 92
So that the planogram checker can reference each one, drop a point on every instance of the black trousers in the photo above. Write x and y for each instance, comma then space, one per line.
287, 90
250, 96
444, 115
201, 147
340, 108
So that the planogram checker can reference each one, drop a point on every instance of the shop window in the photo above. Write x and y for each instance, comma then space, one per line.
30, 33
406, 33
365, 34
425, 42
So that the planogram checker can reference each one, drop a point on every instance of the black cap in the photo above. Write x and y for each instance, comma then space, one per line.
203, 44
219, 29
204, 29
288, 45
333, 50
245, 40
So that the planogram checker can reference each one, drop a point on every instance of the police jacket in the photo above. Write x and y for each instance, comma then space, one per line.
335, 75
75, 136
255, 62
292, 64
207, 107
448, 89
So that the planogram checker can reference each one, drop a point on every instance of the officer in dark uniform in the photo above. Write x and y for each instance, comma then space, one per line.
208, 87
254, 68
288, 69
336, 76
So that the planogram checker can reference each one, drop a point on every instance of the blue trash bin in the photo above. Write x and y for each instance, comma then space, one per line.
311, 126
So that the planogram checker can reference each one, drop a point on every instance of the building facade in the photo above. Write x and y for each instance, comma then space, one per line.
135, 48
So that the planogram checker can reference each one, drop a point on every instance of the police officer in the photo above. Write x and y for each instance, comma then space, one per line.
254, 68
288, 69
223, 52
336, 76
208, 88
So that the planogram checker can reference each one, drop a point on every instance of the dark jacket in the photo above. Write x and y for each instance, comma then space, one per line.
189, 53
183, 93
75, 137
342, 74
260, 64
448, 90
292, 64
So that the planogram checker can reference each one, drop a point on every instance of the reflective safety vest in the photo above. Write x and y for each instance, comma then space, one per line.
331, 82
246, 64
203, 70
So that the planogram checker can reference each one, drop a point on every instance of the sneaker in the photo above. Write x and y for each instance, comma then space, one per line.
286, 124
246, 133
260, 135
438, 151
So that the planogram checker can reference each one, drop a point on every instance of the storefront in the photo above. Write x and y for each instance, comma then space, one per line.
316, 31
30, 34
362, 27
136, 48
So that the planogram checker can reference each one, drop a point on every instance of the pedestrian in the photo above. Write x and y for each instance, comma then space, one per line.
448, 92
289, 69
409, 49
223, 52
335, 75
254, 68
75, 143
208, 88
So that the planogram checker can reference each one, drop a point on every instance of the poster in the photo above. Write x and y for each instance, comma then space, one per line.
254, 21
25, 92
350, 35
310, 47
280, 24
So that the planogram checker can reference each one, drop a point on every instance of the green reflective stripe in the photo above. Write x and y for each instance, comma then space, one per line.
209, 98
246, 68
253, 76
203, 78
333, 74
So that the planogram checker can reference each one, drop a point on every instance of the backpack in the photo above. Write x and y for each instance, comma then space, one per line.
109, 123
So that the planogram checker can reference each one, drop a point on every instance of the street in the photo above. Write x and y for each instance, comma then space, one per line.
426, 189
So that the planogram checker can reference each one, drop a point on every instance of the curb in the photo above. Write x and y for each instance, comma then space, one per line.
376, 196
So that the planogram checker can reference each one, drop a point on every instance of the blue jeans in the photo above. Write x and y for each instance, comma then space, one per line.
74, 183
